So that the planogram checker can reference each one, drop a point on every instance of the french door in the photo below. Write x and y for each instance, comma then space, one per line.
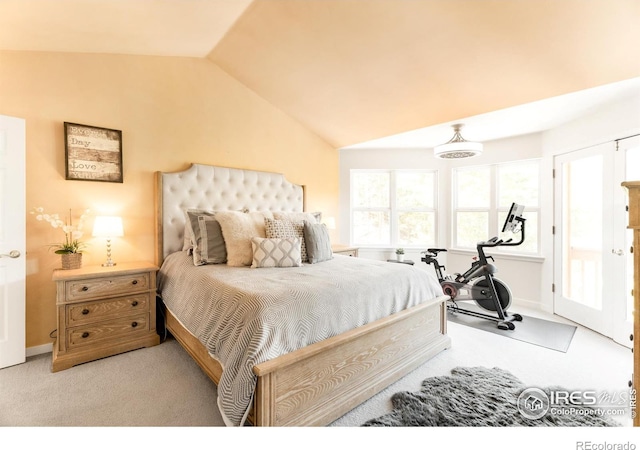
592, 247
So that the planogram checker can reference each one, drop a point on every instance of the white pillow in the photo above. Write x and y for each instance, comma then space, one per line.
237, 229
313, 217
275, 252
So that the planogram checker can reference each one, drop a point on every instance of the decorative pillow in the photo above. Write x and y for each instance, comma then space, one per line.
313, 217
318, 242
287, 229
191, 223
209, 245
237, 229
274, 252
191, 216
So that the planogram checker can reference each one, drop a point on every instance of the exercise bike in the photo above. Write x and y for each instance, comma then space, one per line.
479, 283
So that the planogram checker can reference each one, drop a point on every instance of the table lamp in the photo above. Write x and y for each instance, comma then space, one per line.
108, 227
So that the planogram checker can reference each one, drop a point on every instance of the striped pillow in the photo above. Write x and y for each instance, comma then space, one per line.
209, 245
276, 252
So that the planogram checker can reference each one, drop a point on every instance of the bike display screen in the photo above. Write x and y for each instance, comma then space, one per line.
512, 223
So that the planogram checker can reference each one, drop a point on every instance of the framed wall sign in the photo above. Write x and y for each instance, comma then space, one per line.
92, 153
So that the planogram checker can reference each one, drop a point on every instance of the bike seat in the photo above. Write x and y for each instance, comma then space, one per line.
436, 250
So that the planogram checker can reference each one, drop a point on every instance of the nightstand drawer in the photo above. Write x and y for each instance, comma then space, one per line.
81, 313
108, 330
99, 287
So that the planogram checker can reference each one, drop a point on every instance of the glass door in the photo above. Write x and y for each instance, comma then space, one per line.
593, 271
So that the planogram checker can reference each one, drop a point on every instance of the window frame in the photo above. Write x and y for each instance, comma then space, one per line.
495, 210
393, 209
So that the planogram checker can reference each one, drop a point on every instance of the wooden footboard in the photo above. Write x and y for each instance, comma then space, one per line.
318, 384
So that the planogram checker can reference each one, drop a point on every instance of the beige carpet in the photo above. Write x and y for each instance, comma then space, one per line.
162, 387
157, 386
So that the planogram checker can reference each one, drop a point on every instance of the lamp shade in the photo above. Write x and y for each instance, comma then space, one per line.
457, 147
108, 226
330, 222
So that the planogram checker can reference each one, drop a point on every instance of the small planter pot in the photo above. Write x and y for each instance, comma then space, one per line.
400, 257
71, 260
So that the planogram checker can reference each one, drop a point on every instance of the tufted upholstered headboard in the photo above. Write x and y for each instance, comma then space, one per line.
216, 188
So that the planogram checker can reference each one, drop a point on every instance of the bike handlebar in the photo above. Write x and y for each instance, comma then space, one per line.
493, 242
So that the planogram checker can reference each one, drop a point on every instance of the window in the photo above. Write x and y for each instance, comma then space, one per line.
393, 208
481, 201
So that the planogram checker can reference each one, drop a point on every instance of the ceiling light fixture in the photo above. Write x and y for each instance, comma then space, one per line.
457, 147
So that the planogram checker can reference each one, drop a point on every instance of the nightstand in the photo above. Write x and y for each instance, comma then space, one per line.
404, 261
345, 250
103, 311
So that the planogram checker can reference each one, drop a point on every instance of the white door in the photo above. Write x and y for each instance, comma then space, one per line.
12, 241
591, 240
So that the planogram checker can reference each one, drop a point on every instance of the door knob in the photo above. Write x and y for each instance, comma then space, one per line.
11, 254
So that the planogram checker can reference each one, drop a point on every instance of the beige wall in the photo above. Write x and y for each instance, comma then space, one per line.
172, 111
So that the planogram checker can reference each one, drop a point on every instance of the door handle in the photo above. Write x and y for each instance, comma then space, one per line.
11, 254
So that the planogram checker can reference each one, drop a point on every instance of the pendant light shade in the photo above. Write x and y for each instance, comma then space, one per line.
457, 147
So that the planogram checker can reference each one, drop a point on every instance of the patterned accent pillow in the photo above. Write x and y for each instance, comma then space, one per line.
276, 252
209, 245
280, 229
318, 242
237, 229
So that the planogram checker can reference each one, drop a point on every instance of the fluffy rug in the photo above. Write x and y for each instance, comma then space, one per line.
482, 397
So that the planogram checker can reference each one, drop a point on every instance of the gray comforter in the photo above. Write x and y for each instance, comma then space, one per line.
247, 316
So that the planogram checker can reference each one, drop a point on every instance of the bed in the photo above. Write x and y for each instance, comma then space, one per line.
294, 346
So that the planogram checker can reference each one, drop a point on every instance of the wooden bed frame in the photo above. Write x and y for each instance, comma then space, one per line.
317, 384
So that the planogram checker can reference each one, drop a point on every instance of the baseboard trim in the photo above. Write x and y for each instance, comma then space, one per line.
39, 350
531, 305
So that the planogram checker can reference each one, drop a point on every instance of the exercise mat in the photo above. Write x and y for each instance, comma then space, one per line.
545, 333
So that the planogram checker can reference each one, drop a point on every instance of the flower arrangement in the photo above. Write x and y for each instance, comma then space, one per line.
72, 233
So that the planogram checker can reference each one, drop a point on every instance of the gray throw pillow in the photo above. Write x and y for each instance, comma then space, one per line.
317, 241
209, 246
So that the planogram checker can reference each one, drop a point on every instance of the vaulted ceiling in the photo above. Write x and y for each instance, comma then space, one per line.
356, 70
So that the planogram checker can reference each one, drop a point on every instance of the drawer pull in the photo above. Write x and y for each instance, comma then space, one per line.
134, 324
85, 288
85, 311
134, 303
85, 334
134, 282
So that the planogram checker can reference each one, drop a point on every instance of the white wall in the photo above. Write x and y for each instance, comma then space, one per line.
530, 279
